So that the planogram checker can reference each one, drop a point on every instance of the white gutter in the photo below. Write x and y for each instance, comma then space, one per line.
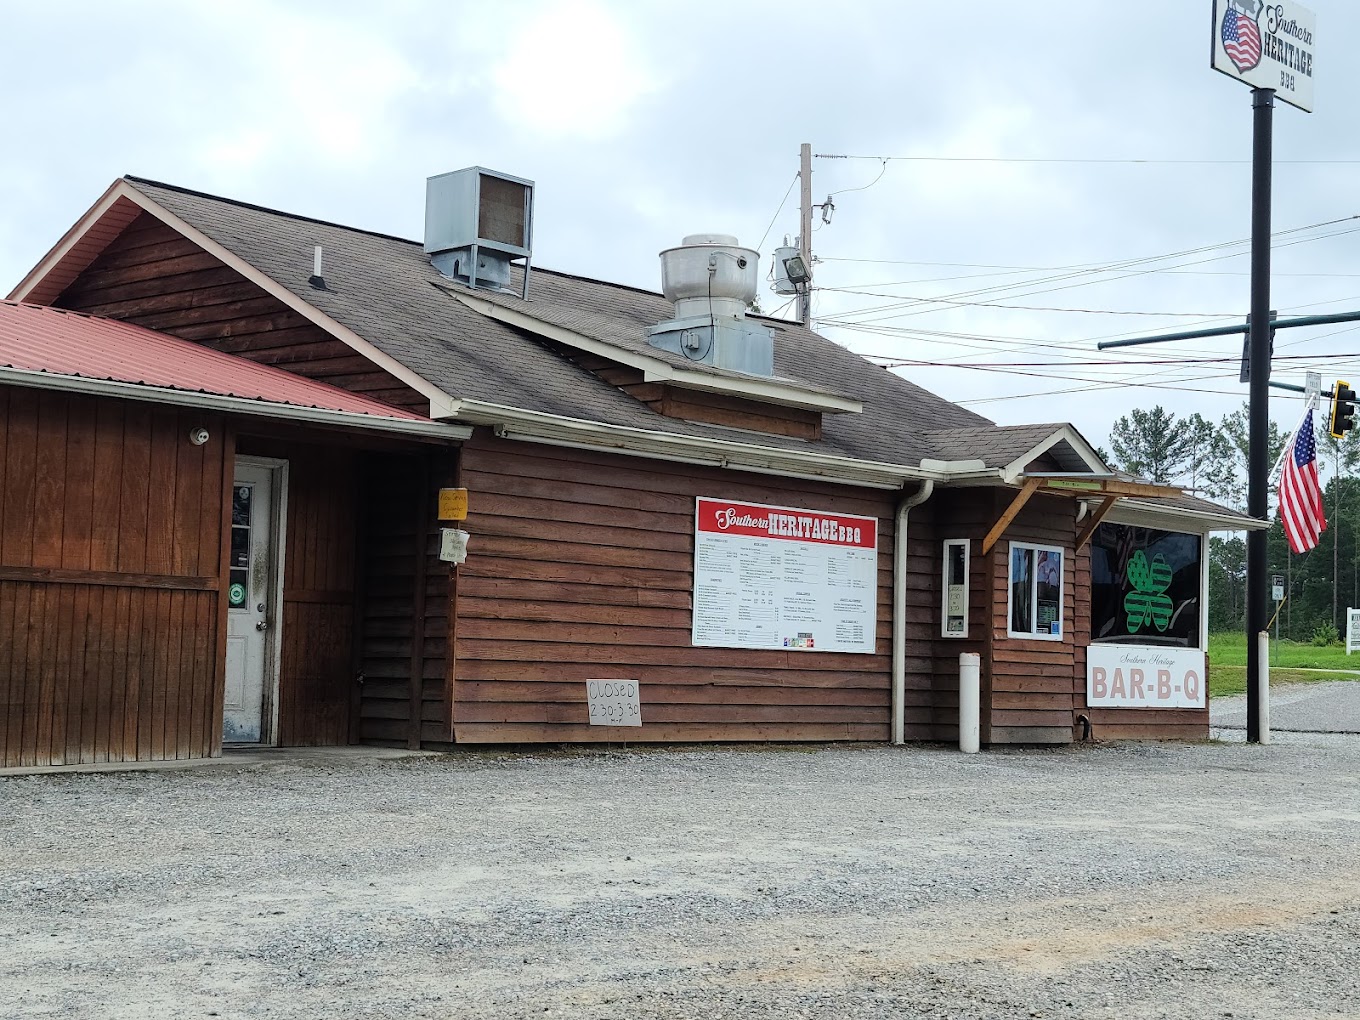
899, 634
233, 405
577, 433
1131, 510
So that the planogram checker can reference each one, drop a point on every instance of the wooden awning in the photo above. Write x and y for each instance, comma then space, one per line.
1109, 490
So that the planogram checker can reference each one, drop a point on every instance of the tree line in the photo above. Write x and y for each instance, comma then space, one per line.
1209, 459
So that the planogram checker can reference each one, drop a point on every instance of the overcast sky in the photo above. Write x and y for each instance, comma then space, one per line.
643, 121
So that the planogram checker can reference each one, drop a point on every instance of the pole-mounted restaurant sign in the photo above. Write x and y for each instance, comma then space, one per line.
1268, 46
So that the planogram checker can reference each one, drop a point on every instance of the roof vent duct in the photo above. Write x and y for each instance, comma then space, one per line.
712, 281
477, 222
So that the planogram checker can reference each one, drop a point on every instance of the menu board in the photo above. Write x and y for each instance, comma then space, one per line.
780, 577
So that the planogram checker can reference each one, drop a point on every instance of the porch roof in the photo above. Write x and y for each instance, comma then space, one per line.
53, 348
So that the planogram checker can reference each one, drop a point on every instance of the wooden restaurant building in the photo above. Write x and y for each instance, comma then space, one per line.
225, 430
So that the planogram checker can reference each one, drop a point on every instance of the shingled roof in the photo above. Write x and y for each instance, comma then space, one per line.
385, 290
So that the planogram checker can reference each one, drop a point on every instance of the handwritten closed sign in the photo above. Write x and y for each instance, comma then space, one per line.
614, 703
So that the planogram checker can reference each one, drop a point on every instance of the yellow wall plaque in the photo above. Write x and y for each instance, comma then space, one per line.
453, 504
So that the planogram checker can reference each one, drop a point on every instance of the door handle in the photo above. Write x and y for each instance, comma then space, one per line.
262, 625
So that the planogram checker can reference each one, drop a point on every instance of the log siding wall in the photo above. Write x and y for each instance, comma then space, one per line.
111, 610
317, 678
581, 567
155, 277
1027, 683
407, 607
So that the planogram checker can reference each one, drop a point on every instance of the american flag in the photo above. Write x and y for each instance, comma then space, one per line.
1300, 494
1241, 39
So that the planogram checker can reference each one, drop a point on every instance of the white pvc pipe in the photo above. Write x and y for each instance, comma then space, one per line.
970, 702
899, 631
1263, 691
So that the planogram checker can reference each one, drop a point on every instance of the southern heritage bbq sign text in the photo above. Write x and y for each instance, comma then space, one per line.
1139, 676
780, 577
1268, 45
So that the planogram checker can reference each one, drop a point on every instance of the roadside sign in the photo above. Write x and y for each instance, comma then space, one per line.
1352, 630
1266, 45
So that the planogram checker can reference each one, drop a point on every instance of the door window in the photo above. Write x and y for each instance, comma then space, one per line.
238, 593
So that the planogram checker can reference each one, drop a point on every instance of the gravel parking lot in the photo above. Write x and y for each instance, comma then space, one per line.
1216, 880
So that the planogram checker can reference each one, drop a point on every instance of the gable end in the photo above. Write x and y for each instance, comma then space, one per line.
155, 277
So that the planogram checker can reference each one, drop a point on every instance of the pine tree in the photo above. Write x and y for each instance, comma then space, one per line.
1151, 444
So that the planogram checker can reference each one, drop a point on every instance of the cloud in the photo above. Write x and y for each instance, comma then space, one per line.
573, 70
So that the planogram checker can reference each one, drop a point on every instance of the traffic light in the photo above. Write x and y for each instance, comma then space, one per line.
1343, 409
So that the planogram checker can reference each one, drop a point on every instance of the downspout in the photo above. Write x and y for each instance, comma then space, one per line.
899, 636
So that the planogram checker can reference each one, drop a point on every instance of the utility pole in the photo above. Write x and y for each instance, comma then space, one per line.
1258, 342
805, 231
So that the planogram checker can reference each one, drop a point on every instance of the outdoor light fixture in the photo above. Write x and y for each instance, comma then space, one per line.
797, 270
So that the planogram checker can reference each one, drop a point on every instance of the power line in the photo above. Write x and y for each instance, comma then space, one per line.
845, 191
1097, 387
1087, 161
912, 303
761, 245
1029, 308
1016, 270
891, 362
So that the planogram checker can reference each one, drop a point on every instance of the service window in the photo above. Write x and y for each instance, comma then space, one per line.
1145, 586
1036, 592
954, 604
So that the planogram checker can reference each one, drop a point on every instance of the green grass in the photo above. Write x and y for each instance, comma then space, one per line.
1288, 661
1231, 650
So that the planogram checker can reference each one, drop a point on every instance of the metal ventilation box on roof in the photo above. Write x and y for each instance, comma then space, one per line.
476, 222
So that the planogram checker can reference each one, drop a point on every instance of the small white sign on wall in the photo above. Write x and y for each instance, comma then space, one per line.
613, 703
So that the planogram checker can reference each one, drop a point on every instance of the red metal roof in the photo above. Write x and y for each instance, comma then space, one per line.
42, 339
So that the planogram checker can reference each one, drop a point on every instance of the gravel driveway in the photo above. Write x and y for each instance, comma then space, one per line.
1216, 880
1306, 708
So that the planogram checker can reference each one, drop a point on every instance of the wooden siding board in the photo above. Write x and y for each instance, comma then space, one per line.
133, 679
583, 568
111, 637
527, 733
135, 488
32, 643
164, 282
160, 506
49, 483
1017, 709
399, 500
9, 698
16, 540
107, 484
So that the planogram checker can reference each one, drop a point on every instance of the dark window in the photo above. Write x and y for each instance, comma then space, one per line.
1145, 586
1036, 576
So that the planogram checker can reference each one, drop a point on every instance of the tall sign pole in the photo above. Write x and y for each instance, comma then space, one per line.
1258, 452
1269, 46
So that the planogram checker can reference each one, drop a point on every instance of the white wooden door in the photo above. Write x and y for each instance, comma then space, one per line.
249, 611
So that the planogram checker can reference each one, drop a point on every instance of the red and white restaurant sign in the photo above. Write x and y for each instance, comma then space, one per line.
1142, 676
784, 578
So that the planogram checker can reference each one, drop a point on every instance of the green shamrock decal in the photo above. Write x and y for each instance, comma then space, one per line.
1148, 601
